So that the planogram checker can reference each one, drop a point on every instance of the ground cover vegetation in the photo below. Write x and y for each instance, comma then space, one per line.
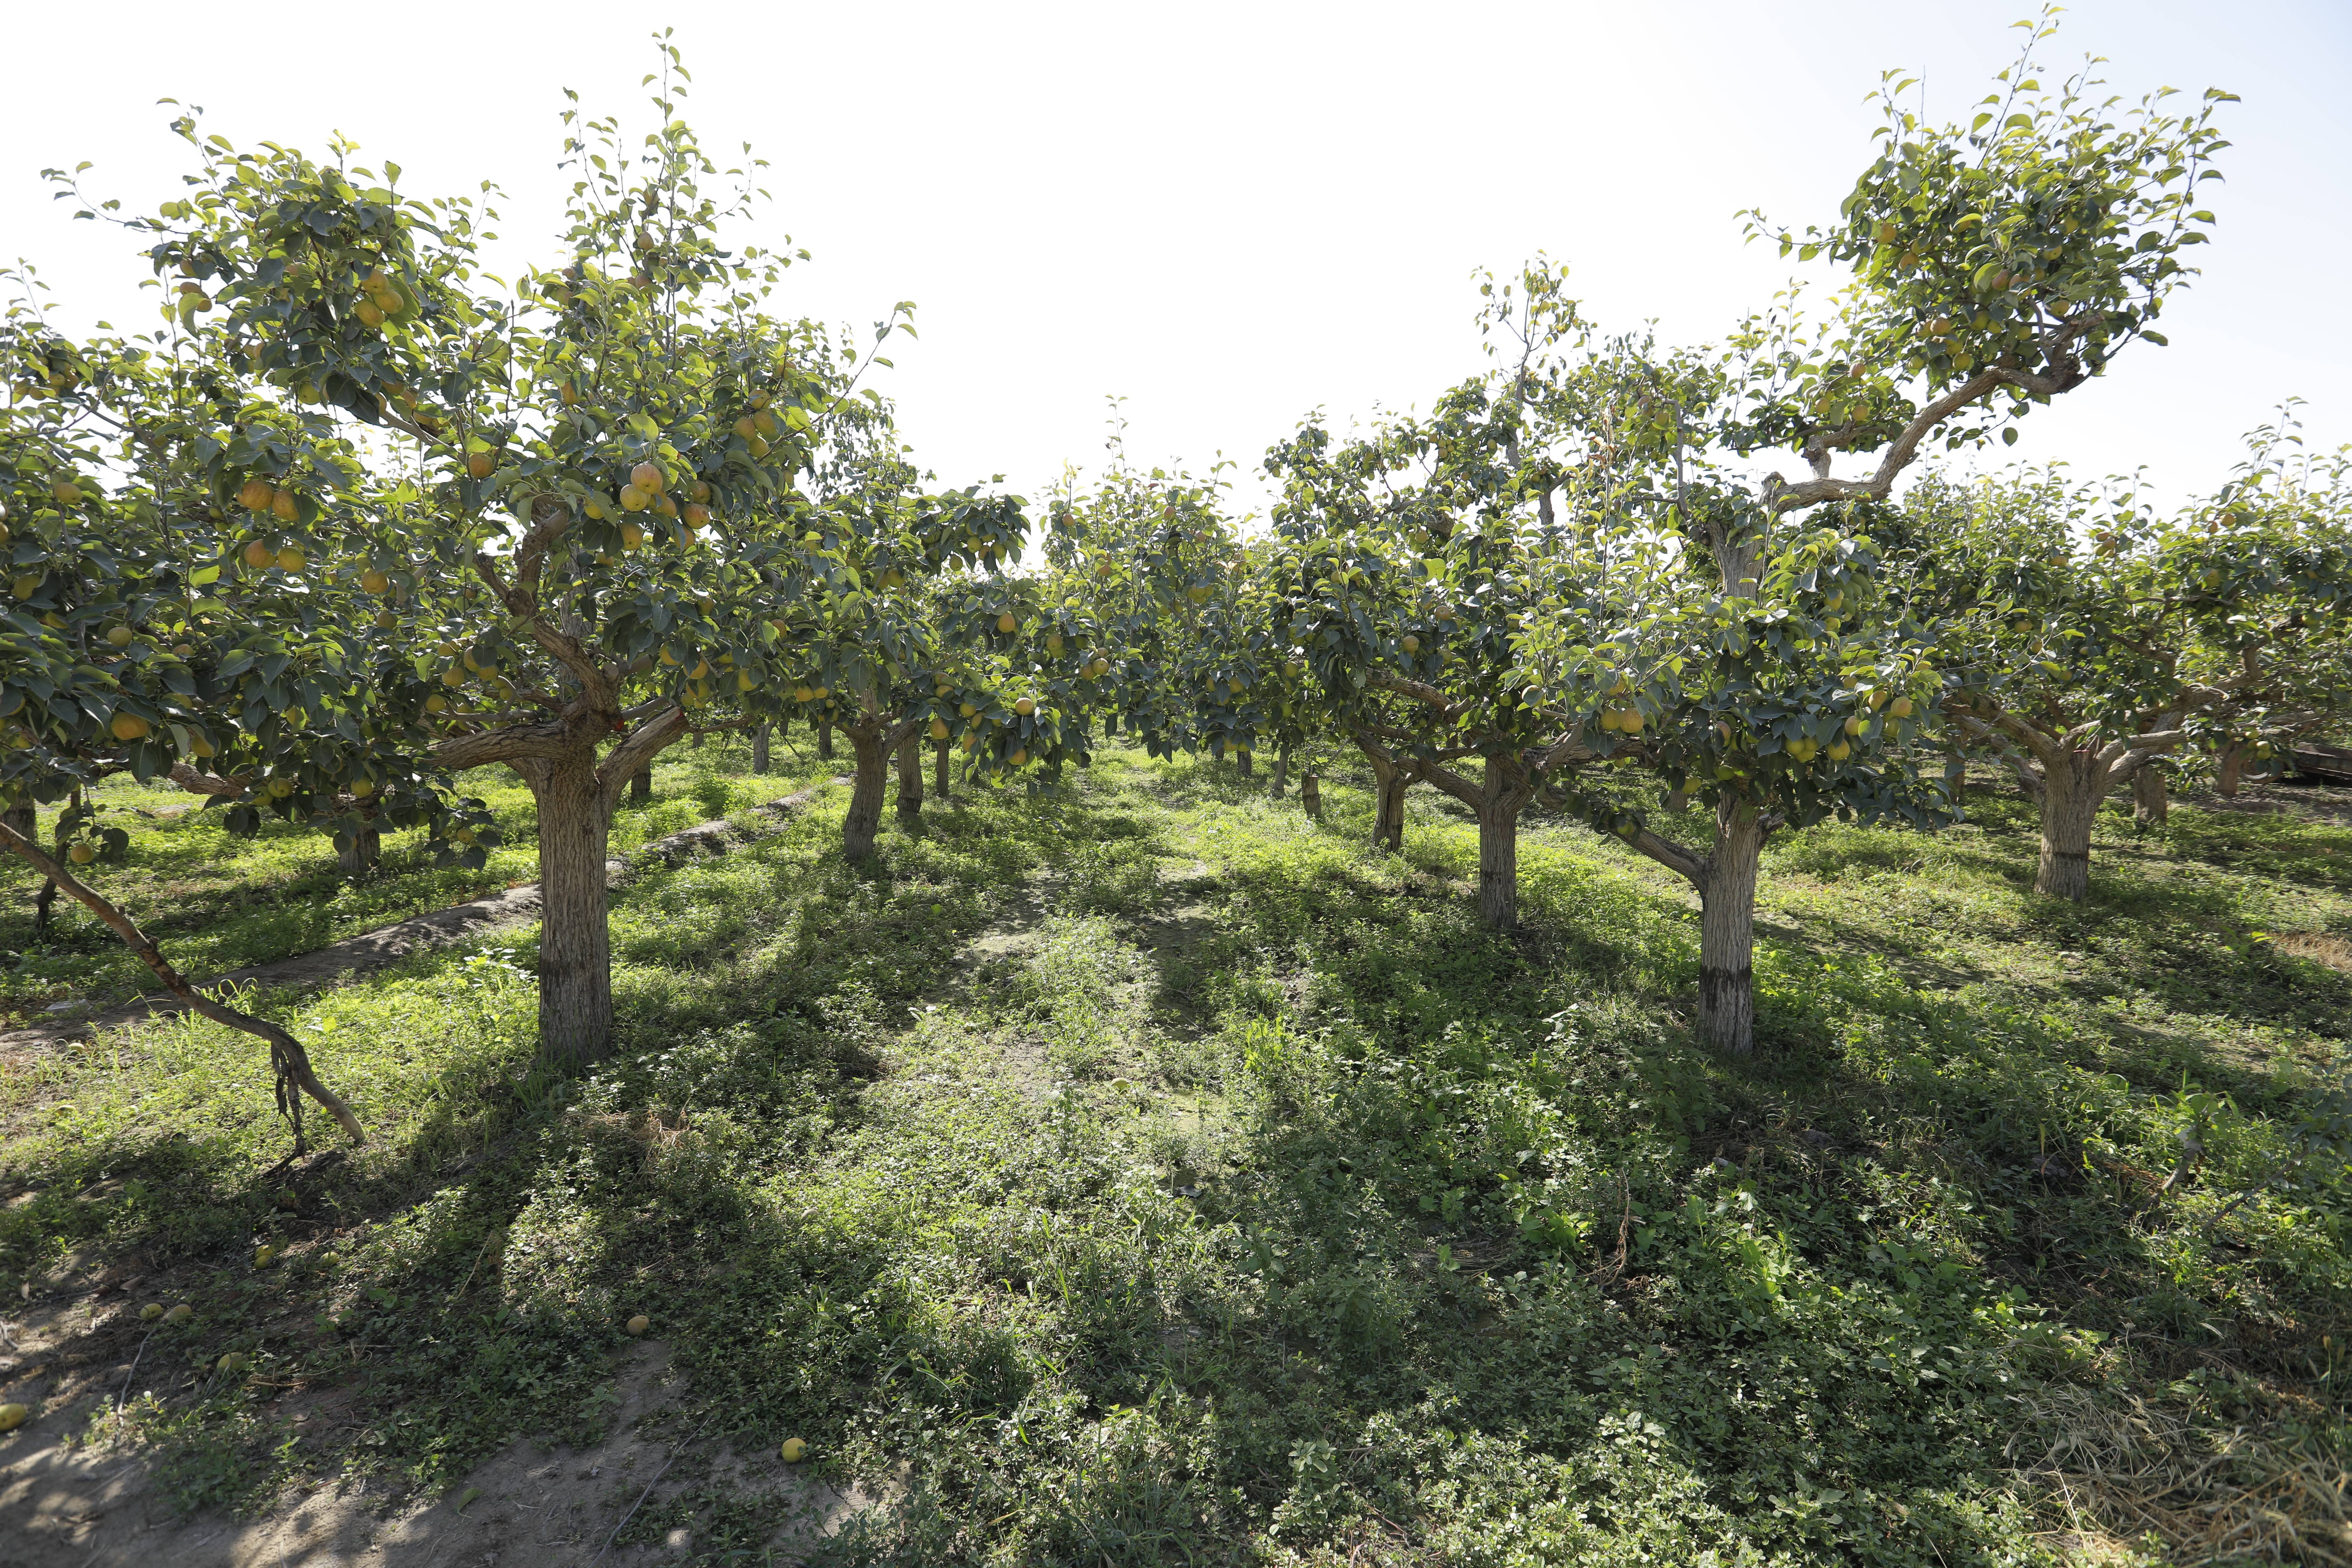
1111, 1162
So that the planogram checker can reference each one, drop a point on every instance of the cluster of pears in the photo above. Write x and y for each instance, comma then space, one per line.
259, 496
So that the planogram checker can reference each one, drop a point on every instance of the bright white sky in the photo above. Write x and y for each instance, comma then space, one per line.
1231, 215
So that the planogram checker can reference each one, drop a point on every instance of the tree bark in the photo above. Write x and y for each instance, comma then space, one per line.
940, 769
1726, 931
1242, 763
359, 854
910, 778
1281, 771
865, 792
1500, 800
1388, 815
824, 740
1498, 865
760, 749
291, 1062
1310, 795
575, 937
2071, 792
641, 786
2227, 775
2151, 803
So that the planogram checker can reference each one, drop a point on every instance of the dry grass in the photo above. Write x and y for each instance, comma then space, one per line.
2320, 947
2126, 1470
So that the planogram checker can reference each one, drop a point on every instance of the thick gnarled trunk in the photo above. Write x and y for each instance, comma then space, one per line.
1726, 930
868, 785
575, 939
2072, 786
910, 778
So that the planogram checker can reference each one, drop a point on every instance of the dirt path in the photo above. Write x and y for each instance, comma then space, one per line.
370, 951
68, 1505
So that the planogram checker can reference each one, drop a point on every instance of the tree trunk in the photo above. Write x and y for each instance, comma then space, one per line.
1242, 763
2151, 803
1388, 815
697, 739
641, 786
865, 791
2070, 804
1726, 930
910, 778
940, 770
760, 749
1499, 806
1281, 771
1498, 865
575, 938
1310, 795
360, 853
2232, 765
824, 740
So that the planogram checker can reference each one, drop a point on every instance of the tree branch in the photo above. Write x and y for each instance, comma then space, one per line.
637, 748
286, 1052
1673, 857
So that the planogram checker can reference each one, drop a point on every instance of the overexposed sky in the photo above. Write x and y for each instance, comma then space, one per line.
1232, 215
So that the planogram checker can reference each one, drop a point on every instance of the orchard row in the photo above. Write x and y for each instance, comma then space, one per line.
359, 517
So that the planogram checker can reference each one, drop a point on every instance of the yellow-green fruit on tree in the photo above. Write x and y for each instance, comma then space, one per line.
282, 507
81, 854
374, 581
118, 635
479, 464
1007, 624
258, 555
291, 559
129, 727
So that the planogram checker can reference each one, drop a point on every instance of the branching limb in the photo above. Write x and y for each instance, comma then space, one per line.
285, 1053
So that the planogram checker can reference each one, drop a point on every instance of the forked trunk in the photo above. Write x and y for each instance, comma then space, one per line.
1726, 930
1310, 795
641, 786
910, 778
575, 939
824, 738
2151, 802
940, 769
865, 791
760, 749
1281, 771
2070, 804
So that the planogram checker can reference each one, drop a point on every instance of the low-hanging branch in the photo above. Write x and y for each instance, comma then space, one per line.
287, 1056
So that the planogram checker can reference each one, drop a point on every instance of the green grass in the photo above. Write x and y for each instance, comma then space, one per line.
215, 903
1144, 1174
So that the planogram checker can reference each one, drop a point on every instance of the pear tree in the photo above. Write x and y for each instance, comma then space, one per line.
2086, 639
569, 510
